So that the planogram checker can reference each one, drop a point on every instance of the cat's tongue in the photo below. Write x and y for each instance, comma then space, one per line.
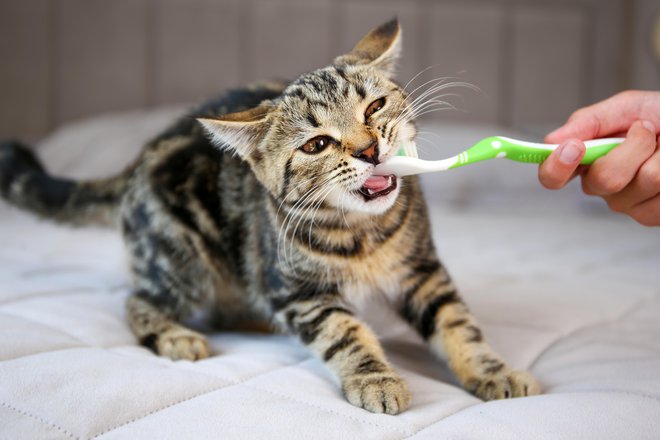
377, 183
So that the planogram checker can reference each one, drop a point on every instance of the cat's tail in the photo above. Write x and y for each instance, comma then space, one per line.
25, 183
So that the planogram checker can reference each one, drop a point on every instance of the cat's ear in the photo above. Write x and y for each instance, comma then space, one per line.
380, 48
240, 132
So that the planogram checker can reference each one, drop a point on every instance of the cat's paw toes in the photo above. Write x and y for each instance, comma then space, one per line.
180, 343
387, 394
504, 385
523, 383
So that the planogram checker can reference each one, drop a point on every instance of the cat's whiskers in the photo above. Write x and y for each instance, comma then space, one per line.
281, 241
423, 136
435, 82
311, 222
343, 212
435, 109
410, 95
318, 206
407, 92
426, 69
421, 148
304, 182
291, 215
430, 98
418, 104
320, 195
315, 204
290, 193
433, 104
421, 100
298, 207
442, 86
429, 132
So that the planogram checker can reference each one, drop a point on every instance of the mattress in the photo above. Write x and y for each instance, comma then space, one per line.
561, 287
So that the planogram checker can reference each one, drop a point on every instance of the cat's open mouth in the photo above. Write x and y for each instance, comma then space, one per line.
377, 186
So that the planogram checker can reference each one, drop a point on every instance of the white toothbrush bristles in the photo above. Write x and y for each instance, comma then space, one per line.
410, 149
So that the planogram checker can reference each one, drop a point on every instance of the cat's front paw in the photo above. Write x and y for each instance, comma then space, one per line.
504, 385
181, 343
379, 393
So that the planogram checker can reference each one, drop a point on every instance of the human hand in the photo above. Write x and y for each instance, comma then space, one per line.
628, 177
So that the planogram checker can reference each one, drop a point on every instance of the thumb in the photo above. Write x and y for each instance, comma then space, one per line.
561, 165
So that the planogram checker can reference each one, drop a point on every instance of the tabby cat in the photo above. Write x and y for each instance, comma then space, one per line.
261, 205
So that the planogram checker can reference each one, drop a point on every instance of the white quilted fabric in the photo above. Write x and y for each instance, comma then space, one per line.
560, 288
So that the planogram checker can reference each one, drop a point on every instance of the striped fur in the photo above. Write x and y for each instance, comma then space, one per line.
249, 227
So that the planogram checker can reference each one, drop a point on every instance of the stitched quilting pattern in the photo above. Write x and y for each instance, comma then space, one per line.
586, 322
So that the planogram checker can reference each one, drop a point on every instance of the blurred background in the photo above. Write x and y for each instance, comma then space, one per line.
535, 61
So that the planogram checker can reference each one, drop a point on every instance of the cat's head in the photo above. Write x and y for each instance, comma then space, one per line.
321, 139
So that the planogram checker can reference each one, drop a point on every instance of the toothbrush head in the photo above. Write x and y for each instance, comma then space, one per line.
407, 149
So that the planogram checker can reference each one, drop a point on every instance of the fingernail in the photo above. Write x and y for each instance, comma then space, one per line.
649, 126
569, 153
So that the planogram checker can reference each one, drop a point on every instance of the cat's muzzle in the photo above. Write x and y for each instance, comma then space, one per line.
377, 186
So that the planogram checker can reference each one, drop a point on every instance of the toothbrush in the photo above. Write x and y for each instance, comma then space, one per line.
406, 163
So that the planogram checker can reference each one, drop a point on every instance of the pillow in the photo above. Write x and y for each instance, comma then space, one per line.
102, 145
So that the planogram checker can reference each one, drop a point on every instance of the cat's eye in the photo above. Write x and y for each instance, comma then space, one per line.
317, 144
374, 107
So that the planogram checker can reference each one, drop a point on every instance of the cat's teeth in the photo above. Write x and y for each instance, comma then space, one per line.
370, 191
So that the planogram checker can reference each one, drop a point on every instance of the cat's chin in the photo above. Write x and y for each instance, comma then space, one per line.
365, 201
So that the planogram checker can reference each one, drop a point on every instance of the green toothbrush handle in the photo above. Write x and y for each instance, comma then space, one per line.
529, 152
595, 149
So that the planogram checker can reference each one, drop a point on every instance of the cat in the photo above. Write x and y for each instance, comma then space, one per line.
261, 205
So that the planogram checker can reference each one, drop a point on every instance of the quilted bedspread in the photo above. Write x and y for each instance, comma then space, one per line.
560, 287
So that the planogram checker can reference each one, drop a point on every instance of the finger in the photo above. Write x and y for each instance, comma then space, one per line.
608, 117
614, 171
647, 213
644, 186
561, 165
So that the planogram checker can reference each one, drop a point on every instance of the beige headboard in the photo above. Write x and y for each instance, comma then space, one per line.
534, 60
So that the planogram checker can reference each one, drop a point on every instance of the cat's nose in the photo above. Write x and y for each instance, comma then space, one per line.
368, 154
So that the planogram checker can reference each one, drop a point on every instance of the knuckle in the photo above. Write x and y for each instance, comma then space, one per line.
616, 205
645, 219
645, 140
626, 94
649, 174
606, 182
578, 114
585, 187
